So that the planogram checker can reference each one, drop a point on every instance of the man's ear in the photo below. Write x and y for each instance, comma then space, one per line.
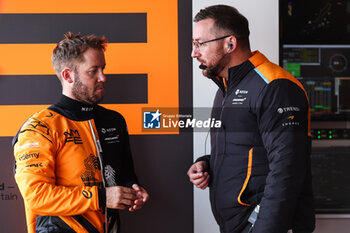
67, 75
232, 44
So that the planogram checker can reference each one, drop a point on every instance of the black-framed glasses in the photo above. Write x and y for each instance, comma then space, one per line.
198, 44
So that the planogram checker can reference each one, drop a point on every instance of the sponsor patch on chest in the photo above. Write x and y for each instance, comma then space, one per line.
240, 96
110, 135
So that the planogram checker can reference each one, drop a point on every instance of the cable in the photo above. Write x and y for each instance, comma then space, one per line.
205, 143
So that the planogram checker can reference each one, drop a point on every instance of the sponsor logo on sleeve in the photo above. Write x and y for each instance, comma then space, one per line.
28, 145
38, 126
35, 165
288, 109
291, 121
49, 115
26, 156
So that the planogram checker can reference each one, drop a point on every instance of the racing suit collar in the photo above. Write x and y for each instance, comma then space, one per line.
74, 109
76, 105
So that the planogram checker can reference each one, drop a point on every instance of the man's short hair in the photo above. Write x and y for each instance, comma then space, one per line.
227, 19
70, 50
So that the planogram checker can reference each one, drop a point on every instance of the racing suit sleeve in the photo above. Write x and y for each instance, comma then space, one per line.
283, 124
35, 175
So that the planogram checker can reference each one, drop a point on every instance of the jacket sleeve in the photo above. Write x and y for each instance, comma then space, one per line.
204, 158
35, 152
128, 176
283, 124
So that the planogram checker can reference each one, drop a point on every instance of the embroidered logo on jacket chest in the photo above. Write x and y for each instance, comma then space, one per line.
72, 135
239, 96
110, 135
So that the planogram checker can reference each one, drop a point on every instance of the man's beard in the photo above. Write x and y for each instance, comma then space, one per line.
81, 92
215, 70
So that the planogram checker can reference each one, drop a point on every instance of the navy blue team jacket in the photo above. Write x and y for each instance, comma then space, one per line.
261, 153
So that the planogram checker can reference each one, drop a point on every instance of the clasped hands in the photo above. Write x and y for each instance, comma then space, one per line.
120, 197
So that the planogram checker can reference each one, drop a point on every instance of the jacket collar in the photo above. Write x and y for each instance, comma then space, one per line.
237, 73
74, 109
257, 59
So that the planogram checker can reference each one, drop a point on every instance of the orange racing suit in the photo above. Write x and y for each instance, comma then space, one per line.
65, 157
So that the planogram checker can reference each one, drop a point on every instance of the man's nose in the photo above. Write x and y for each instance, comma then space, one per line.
102, 77
195, 52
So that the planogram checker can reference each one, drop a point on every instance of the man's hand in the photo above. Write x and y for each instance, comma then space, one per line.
198, 176
142, 197
118, 197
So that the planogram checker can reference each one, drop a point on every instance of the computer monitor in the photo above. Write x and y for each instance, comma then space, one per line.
315, 48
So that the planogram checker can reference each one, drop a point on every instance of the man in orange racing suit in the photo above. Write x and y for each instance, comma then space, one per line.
73, 162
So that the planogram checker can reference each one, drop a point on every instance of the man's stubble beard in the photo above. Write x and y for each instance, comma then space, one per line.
215, 70
81, 92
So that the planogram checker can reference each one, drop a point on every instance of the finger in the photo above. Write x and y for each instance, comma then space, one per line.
195, 176
126, 202
135, 207
201, 166
120, 206
198, 182
198, 179
145, 196
129, 196
204, 183
127, 190
136, 187
138, 204
193, 169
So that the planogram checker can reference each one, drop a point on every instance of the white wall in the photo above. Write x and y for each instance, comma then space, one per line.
263, 20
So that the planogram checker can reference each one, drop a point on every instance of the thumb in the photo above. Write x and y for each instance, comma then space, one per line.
136, 187
199, 167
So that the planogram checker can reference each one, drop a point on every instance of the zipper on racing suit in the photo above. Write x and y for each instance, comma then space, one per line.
99, 152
